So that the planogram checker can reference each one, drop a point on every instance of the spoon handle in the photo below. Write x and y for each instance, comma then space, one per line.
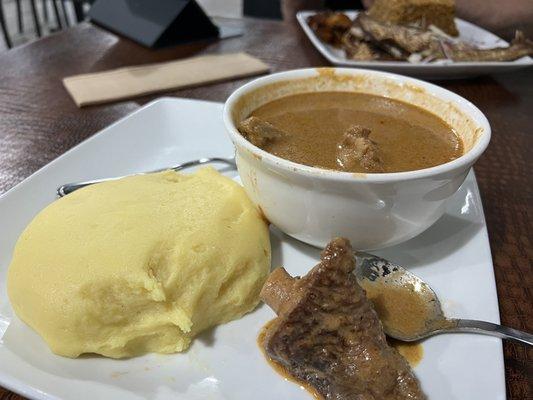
488, 328
71, 187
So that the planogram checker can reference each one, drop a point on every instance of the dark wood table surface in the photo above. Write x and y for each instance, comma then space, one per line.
39, 122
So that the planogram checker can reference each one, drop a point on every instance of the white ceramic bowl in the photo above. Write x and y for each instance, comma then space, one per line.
372, 210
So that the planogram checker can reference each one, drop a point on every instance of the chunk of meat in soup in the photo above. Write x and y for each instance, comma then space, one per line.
356, 148
259, 132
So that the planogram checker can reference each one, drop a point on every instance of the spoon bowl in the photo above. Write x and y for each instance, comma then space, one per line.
408, 307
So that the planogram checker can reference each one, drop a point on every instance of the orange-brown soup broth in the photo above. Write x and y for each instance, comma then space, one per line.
409, 138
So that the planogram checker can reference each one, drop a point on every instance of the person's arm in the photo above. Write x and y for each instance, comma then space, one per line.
501, 17
289, 8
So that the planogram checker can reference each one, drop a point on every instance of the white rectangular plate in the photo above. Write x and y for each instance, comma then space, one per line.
468, 32
226, 363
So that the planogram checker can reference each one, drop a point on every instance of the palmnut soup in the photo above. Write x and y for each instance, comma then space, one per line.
352, 132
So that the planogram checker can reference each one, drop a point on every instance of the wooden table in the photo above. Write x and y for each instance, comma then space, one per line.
39, 122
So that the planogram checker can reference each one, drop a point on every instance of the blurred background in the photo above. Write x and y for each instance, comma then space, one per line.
26, 20
22, 21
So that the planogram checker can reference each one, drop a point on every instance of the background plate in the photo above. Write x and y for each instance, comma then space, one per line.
225, 363
446, 69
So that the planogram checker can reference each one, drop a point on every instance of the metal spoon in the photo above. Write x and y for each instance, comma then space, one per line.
71, 187
373, 270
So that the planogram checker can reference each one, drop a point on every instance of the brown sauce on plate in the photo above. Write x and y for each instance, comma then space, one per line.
412, 352
395, 136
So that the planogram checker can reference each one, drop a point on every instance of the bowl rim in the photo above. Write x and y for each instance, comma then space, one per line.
467, 107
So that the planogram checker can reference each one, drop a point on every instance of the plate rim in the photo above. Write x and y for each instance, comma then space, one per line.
100, 132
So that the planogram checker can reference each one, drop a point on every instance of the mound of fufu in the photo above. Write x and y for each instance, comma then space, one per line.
141, 264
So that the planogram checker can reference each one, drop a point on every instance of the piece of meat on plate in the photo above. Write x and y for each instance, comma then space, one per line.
330, 26
258, 132
328, 335
519, 47
360, 50
357, 149
399, 41
358, 46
